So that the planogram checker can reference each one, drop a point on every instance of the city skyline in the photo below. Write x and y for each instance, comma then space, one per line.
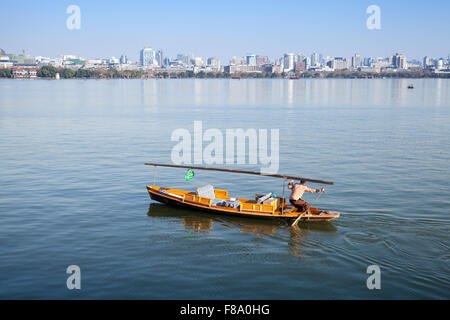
226, 29
158, 56
155, 63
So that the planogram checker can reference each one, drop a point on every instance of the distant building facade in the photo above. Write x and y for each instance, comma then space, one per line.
314, 59
260, 60
300, 66
214, 63
427, 62
123, 59
184, 58
24, 72
148, 57
289, 60
338, 63
243, 68
356, 61
5, 62
399, 61
159, 58
251, 60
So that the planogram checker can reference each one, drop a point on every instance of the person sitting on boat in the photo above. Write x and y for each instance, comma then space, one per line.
298, 189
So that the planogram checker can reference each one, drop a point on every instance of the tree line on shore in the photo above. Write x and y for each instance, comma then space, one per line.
49, 72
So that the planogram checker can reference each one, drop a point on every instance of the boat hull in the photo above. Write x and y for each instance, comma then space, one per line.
156, 195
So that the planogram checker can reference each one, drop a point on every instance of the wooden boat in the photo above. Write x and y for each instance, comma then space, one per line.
411, 86
274, 208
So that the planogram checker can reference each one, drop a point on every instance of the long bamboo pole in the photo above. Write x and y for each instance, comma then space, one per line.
240, 171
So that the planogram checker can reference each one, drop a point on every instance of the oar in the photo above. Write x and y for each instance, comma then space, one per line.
297, 220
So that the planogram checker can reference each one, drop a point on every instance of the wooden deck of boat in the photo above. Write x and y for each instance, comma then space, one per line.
248, 208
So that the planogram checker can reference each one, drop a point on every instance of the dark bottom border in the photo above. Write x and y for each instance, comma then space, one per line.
222, 309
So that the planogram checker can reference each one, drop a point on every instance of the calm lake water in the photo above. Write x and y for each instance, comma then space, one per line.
72, 190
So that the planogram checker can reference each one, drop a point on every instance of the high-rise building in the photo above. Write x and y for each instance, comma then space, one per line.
213, 62
301, 57
368, 62
321, 59
251, 60
299, 66
260, 60
123, 59
307, 62
184, 58
197, 61
314, 59
338, 63
399, 61
356, 61
159, 58
148, 57
289, 62
426, 62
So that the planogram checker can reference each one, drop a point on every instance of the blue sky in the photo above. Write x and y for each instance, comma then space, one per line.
226, 28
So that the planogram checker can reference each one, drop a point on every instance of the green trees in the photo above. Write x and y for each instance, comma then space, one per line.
132, 73
67, 73
47, 72
5, 73
274, 75
86, 73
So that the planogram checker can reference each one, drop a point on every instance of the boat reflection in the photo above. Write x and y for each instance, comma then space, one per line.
191, 222
194, 221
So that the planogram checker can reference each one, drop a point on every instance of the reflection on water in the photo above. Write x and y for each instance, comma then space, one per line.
194, 221
348, 92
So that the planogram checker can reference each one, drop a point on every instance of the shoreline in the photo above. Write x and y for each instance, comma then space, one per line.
256, 78
50, 72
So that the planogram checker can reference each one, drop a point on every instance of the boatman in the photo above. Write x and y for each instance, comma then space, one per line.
298, 189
